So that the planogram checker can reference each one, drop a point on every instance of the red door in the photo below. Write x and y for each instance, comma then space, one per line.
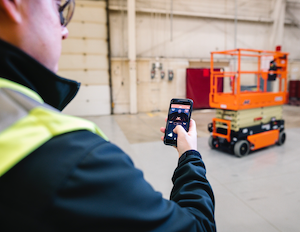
198, 87
293, 89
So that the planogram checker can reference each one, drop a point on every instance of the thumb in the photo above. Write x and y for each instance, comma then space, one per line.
179, 130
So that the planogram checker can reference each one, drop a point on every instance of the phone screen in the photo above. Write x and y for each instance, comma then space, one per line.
179, 114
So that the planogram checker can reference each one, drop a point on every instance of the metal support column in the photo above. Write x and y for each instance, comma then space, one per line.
171, 17
132, 56
235, 24
276, 35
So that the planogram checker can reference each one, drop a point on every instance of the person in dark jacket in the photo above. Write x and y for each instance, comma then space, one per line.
77, 180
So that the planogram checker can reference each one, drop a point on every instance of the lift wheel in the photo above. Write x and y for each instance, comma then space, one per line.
241, 148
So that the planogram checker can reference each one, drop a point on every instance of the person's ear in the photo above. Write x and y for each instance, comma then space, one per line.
12, 10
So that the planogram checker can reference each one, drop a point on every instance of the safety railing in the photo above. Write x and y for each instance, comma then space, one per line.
259, 95
228, 128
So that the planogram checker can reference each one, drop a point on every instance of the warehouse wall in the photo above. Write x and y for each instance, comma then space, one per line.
292, 30
153, 94
194, 34
292, 38
196, 29
186, 40
85, 59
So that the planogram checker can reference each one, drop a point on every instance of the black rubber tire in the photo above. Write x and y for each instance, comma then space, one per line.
210, 127
212, 142
241, 148
281, 138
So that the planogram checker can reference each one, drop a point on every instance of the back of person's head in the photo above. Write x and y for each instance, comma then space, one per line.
36, 27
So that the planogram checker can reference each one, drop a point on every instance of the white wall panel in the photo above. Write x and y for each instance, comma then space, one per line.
292, 42
74, 61
195, 37
90, 100
120, 84
247, 8
85, 46
192, 37
90, 11
87, 77
85, 59
181, 83
153, 94
87, 30
294, 70
291, 36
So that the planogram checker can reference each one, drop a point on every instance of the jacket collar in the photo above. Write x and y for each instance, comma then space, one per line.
17, 66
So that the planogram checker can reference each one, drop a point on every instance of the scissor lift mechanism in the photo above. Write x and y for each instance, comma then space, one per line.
260, 133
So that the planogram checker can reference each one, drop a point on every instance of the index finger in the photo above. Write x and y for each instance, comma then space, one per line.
192, 128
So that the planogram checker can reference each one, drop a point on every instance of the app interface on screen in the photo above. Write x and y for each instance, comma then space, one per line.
179, 115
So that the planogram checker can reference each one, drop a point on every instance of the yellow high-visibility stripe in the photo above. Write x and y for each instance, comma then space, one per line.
32, 131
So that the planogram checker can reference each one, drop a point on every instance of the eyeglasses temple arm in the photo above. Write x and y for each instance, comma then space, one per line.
61, 8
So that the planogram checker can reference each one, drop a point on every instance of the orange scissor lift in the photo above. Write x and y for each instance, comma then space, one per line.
248, 119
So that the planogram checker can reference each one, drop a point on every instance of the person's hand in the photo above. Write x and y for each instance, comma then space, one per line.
185, 140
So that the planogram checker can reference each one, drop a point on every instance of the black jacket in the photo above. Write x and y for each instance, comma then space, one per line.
80, 182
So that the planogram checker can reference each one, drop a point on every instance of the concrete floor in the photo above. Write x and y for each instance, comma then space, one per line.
259, 192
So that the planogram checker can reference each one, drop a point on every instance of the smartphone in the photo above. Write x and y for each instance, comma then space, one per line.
180, 111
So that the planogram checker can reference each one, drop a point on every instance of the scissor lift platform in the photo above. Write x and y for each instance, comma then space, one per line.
251, 119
